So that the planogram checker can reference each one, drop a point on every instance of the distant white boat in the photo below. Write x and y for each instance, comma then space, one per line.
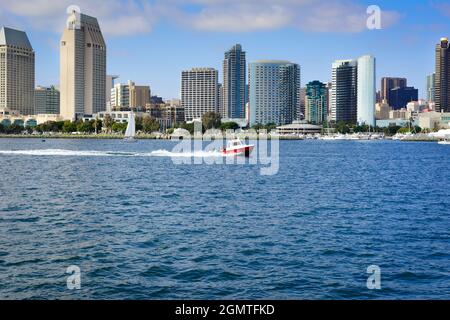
445, 141
130, 133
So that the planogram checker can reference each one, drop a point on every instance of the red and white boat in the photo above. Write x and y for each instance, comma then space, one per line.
238, 148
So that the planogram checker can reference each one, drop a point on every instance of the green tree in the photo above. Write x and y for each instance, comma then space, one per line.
342, 127
2, 128
139, 121
14, 129
108, 123
189, 127
69, 127
84, 127
150, 124
229, 126
403, 130
119, 127
96, 125
211, 120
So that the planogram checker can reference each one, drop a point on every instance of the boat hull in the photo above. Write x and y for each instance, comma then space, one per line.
241, 151
130, 140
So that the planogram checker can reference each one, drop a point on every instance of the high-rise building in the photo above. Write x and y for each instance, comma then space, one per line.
316, 102
431, 80
46, 100
110, 83
199, 92
344, 89
366, 90
389, 83
442, 82
400, 97
274, 92
139, 96
234, 83
17, 61
83, 67
120, 96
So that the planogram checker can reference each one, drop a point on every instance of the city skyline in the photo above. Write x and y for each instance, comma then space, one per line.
132, 53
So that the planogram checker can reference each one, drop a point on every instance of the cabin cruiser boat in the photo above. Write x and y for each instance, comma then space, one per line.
238, 148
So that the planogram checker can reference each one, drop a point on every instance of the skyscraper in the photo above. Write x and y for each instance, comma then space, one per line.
316, 102
17, 62
234, 83
400, 97
274, 92
344, 89
83, 67
389, 83
366, 90
442, 84
431, 80
199, 92
47, 100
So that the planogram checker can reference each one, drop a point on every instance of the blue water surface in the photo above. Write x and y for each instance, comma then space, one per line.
142, 227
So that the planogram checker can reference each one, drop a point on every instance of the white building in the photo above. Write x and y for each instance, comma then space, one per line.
366, 90
120, 96
274, 92
199, 92
110, 82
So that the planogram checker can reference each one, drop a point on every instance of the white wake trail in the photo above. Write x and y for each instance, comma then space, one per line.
93, 153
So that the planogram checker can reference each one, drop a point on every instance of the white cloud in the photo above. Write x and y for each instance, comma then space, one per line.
117, 18
128, 17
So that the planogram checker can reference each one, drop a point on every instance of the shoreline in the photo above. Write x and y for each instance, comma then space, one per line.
168, 138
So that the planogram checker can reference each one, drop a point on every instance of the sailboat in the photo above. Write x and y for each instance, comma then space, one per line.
130, 133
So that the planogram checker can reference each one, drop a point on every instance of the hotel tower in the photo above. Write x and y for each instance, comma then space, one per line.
83, 68
16, 71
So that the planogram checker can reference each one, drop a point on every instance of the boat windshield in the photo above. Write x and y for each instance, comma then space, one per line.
235, 143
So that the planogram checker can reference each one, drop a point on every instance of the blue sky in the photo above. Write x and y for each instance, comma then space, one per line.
151, 42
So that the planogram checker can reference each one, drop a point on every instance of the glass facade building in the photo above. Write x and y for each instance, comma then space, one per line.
46, 100
366, 90
234, 83
316, 102
344, 89
400, 97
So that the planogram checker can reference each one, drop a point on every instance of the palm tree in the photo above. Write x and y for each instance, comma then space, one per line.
108, 123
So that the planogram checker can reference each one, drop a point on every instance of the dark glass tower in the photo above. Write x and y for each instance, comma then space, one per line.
442, 88
389, 83
234, 83
344, 97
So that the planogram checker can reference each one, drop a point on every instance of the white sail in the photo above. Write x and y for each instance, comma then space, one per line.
131, 128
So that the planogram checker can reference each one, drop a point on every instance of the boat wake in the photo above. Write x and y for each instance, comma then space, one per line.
89, 153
